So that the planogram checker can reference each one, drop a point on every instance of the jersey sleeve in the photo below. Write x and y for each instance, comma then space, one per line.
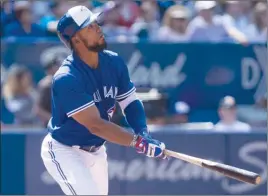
126, 86
71, 94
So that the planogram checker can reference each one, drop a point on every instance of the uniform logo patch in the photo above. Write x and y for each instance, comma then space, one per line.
110, 112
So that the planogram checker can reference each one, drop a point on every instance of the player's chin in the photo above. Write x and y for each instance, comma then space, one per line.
102, 40
103, 43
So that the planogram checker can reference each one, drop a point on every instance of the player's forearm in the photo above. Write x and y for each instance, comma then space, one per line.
112, 133
135, 116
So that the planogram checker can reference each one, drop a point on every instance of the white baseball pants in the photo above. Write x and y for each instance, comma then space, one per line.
76, 171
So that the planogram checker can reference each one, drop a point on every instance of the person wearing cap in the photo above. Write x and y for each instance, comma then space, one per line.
209, 27
84, 92
24, 25
180, 113
175, 22
228, 117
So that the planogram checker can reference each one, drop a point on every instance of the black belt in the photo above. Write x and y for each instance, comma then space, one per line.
90, 148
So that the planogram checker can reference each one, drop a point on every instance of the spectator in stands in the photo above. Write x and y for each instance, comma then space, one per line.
209, 27
24, 26
111, 28
175, 24
234, 16
128, 12
19, 95
43, 106
164, 5
7, 15
257, 32
228, 116
39, 9
50, 21
247, 7
180, 113
147, 24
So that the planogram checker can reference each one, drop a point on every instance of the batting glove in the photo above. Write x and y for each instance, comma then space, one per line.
148, 146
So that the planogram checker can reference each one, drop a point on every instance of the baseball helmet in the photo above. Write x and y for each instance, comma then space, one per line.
75, 19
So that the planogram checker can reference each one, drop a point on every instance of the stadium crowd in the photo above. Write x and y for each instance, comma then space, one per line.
128, 20
122, 21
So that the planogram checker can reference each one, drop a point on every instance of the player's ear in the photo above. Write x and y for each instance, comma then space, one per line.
75, 40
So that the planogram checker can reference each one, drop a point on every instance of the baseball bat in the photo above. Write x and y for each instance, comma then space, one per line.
226, 170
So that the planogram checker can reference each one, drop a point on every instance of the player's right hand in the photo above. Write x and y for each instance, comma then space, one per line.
150, 147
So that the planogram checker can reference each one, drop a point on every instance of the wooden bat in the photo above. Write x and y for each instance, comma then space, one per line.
226, 170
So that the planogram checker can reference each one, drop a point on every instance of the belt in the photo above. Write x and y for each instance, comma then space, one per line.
89, 148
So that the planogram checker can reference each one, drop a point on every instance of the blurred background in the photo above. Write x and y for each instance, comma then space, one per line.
200, 68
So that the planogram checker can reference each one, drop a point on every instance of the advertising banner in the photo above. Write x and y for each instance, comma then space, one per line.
131, 173
149, 176
200, 74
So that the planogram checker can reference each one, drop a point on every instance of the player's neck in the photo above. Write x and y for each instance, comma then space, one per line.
89, 57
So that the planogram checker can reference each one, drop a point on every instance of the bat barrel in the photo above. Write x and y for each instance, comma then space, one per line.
233, 172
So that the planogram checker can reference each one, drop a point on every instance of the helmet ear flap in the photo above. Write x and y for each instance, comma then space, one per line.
63, 40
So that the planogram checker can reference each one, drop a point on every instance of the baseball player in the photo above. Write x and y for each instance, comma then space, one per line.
84, 92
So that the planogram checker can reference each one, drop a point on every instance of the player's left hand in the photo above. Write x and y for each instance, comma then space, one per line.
150, 147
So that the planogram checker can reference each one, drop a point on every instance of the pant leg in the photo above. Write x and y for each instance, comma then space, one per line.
99, 170
68, 168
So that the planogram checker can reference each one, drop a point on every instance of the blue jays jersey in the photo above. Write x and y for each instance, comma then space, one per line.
76, 86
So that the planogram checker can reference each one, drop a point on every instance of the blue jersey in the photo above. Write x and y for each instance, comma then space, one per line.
77, 86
